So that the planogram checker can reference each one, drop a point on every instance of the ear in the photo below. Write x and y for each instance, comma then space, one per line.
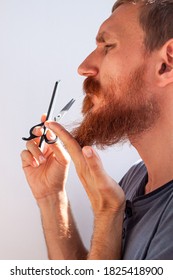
165, 65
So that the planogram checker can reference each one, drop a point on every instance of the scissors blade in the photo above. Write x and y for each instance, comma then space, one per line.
64, 110
50, 110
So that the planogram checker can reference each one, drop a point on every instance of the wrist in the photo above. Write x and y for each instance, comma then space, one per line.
52, 199
54, 206
110, 213
54, 210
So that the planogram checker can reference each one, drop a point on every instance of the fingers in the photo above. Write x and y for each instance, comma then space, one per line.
103, 185
38, 130
70, 143
50, 136
28, 159
43, 117
58, 150
38, 156
93, 161
34, 154
33, 146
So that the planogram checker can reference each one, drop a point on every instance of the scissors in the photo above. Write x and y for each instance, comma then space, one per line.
49, 113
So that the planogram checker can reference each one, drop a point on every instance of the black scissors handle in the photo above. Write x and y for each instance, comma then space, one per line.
43, 137
32, 136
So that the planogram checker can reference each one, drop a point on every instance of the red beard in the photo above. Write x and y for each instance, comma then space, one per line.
117, 118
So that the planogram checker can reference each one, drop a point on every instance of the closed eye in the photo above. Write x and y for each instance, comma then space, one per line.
108, 47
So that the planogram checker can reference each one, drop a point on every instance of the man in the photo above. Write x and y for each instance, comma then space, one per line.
129, 96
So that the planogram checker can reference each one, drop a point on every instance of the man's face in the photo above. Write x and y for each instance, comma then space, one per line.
118, 104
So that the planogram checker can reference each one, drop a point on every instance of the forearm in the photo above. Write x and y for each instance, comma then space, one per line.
61, 235
107, 237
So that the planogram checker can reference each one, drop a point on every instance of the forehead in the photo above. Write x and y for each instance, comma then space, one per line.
123, 22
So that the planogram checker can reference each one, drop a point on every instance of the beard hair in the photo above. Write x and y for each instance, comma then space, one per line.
118, 118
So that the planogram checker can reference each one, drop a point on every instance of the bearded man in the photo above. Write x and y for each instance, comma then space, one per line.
129, 96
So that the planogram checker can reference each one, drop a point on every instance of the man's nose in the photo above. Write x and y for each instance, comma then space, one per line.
88, 67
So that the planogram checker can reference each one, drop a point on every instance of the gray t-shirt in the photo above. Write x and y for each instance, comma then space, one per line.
148, 223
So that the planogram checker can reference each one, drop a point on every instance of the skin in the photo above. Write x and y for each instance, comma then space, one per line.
46, 171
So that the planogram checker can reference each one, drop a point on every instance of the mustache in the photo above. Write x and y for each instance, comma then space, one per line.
91, 86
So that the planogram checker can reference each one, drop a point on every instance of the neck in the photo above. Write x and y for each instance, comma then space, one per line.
156, 150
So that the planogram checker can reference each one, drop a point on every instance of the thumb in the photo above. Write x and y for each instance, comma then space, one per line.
93, 161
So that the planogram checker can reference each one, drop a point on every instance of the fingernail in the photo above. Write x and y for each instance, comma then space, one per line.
35, 163
52, 136
88, 152
42, 159
48, 124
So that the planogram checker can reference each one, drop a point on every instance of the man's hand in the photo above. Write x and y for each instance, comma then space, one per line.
46, 171
104, 193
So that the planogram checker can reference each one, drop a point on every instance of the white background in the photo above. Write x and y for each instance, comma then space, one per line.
42, 41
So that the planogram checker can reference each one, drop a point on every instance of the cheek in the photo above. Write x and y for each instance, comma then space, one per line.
113, 67
122, 63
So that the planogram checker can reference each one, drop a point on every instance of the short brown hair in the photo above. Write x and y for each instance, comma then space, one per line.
156, 20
